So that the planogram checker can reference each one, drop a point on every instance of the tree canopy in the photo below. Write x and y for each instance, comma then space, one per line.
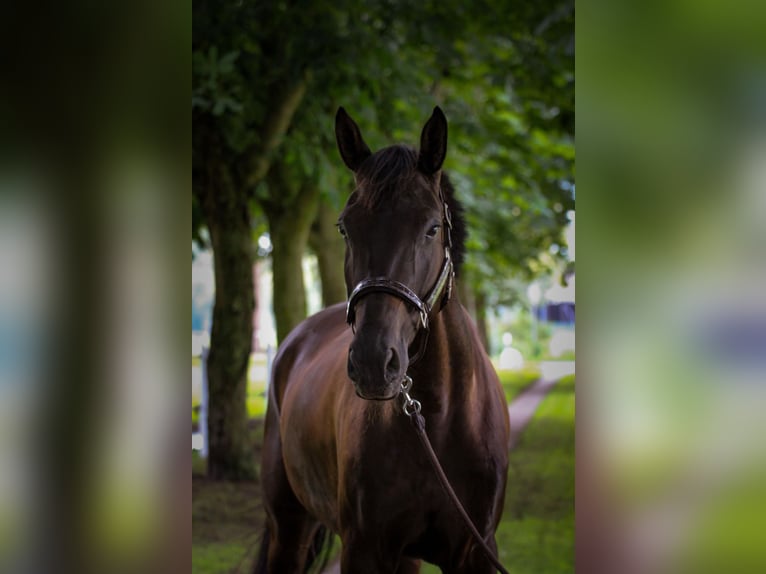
503, 73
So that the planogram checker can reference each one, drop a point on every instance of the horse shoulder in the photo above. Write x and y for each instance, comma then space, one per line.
308, 372
306, 341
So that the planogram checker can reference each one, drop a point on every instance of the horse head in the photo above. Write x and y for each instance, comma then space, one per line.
396, 225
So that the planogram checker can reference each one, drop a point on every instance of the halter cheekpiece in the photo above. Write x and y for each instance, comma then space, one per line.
440, 293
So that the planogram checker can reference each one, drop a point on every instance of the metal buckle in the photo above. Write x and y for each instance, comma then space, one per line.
409, 405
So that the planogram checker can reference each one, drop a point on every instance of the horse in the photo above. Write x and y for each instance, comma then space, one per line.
339, 452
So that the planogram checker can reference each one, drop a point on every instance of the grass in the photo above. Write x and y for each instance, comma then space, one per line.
227, 517
536, 534
516, 381
226, 522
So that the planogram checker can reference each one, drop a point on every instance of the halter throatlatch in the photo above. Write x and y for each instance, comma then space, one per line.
440, 293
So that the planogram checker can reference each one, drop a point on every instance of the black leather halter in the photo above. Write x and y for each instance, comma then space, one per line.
440, 293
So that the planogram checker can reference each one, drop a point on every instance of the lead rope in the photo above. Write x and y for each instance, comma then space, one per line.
411, 408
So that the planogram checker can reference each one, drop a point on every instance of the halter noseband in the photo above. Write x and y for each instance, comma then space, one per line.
440, 292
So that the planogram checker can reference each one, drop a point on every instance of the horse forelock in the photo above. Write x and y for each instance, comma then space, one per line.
387, 175
391, 174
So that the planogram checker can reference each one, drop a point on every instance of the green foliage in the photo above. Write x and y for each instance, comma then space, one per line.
530, 337
216, 89
503, 72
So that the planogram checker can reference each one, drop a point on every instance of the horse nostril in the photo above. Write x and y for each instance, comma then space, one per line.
352, 374
392, 364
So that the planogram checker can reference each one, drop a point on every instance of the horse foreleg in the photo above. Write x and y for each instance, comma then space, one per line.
290, 529
290, 540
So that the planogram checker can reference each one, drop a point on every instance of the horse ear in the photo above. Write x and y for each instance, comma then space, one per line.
352, 148
433, 143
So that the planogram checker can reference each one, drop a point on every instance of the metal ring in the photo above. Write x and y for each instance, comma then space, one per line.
411, 407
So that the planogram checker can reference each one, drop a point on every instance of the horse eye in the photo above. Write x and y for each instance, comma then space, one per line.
433, 231
341, 229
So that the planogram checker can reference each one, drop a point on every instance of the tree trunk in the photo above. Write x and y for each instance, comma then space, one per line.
228, 219
289, 226
330, 249
223, 182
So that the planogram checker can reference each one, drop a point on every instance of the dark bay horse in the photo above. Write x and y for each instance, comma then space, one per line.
339, 452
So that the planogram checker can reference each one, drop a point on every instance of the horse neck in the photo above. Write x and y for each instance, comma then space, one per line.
445, 372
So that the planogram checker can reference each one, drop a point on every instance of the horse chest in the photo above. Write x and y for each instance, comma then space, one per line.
388, 478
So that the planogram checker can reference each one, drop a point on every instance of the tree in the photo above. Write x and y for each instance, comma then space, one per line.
228, 219
329, 247
290, 219
229, 160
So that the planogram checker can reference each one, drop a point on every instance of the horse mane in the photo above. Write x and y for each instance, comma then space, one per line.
390, 173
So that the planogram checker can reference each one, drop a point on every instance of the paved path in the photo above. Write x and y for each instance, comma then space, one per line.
521, 410
523, 407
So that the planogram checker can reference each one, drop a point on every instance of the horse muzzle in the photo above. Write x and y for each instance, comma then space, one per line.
376, 372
